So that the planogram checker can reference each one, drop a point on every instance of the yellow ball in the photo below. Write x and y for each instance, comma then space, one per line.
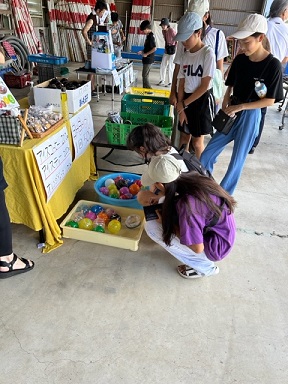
114, 226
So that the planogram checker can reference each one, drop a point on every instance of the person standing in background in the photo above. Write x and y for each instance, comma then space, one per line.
215, 38
255, 63
277, 36
169, 54
117, 33
94, 19
196, 103
200, 7
148, 52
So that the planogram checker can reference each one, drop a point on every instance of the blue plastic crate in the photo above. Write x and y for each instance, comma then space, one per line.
47, 59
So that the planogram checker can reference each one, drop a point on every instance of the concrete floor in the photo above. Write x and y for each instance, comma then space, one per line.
94, 314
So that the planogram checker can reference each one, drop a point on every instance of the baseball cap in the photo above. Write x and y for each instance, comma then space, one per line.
161, 169
199, 6
251, 24
164, 21
187, 25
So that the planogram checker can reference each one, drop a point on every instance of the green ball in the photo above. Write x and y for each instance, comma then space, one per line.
99, 228
72, 224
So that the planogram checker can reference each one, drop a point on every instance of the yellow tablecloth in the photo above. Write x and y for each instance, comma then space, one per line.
26, 197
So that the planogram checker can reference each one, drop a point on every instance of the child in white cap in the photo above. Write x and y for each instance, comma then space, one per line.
196, 223
254, 64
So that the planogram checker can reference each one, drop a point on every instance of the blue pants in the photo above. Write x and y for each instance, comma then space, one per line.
243, 132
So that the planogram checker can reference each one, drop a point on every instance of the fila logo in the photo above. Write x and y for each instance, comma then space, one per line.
188, 70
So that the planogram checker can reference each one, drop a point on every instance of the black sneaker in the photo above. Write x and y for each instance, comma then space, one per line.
94, 94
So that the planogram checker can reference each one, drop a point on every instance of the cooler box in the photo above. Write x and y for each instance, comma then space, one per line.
77, 98
102, 60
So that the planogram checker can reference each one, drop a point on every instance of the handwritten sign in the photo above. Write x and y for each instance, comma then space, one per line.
82, 130
116, 77
54, 159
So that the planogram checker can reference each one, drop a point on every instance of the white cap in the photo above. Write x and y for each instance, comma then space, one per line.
161, 169
198, 6
254, 23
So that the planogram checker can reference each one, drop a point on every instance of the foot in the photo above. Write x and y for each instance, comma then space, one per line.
168, 85
252, 150
190, 273
14, 265
161, 82
94, 94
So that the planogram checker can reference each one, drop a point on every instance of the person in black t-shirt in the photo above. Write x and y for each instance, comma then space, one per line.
148, 52
255, 63
10, 264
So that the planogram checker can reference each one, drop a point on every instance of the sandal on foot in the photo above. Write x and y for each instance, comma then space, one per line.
188, 272
11, 272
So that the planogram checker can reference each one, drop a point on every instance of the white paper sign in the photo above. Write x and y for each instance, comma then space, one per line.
54, 159
82, 128
116, 77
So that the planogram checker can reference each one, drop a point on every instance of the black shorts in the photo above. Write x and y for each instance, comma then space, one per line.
200, 115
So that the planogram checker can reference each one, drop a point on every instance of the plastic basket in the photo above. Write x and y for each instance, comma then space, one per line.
131, 203
117, 133
48, 71
47, 59
149, 92
141, 104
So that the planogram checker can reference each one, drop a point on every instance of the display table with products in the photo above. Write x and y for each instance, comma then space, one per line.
124, 72
26, 197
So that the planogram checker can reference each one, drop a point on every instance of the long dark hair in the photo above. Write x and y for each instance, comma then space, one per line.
148, 136
190, 184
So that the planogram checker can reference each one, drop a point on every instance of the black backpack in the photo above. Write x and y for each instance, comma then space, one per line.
191, 162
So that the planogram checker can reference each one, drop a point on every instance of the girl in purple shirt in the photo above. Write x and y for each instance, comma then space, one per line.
196, 223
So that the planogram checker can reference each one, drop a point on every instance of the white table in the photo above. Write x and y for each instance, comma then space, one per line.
105, 72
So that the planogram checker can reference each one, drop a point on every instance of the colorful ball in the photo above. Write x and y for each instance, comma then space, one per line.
85, 224
124, 190
91, 215
72, 224
134, 189
104, 190
116, 217
104, 216
99, 228
109, 212
114, 226
97, 209
109, 182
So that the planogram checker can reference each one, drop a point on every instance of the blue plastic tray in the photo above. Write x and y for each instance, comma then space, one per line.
47, 59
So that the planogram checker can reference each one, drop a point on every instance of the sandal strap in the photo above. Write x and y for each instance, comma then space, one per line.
9, 265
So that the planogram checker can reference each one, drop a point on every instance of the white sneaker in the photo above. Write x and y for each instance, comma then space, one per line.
168, 85
161, 82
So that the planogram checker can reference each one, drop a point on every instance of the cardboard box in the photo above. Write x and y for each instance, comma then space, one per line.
76, 99
126, 238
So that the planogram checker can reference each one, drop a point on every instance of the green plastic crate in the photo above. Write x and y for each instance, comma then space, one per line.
145, 105
138, 118
117, 133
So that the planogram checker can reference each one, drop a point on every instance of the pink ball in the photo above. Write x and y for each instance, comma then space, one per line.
91, 215
104, 190
124, 190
